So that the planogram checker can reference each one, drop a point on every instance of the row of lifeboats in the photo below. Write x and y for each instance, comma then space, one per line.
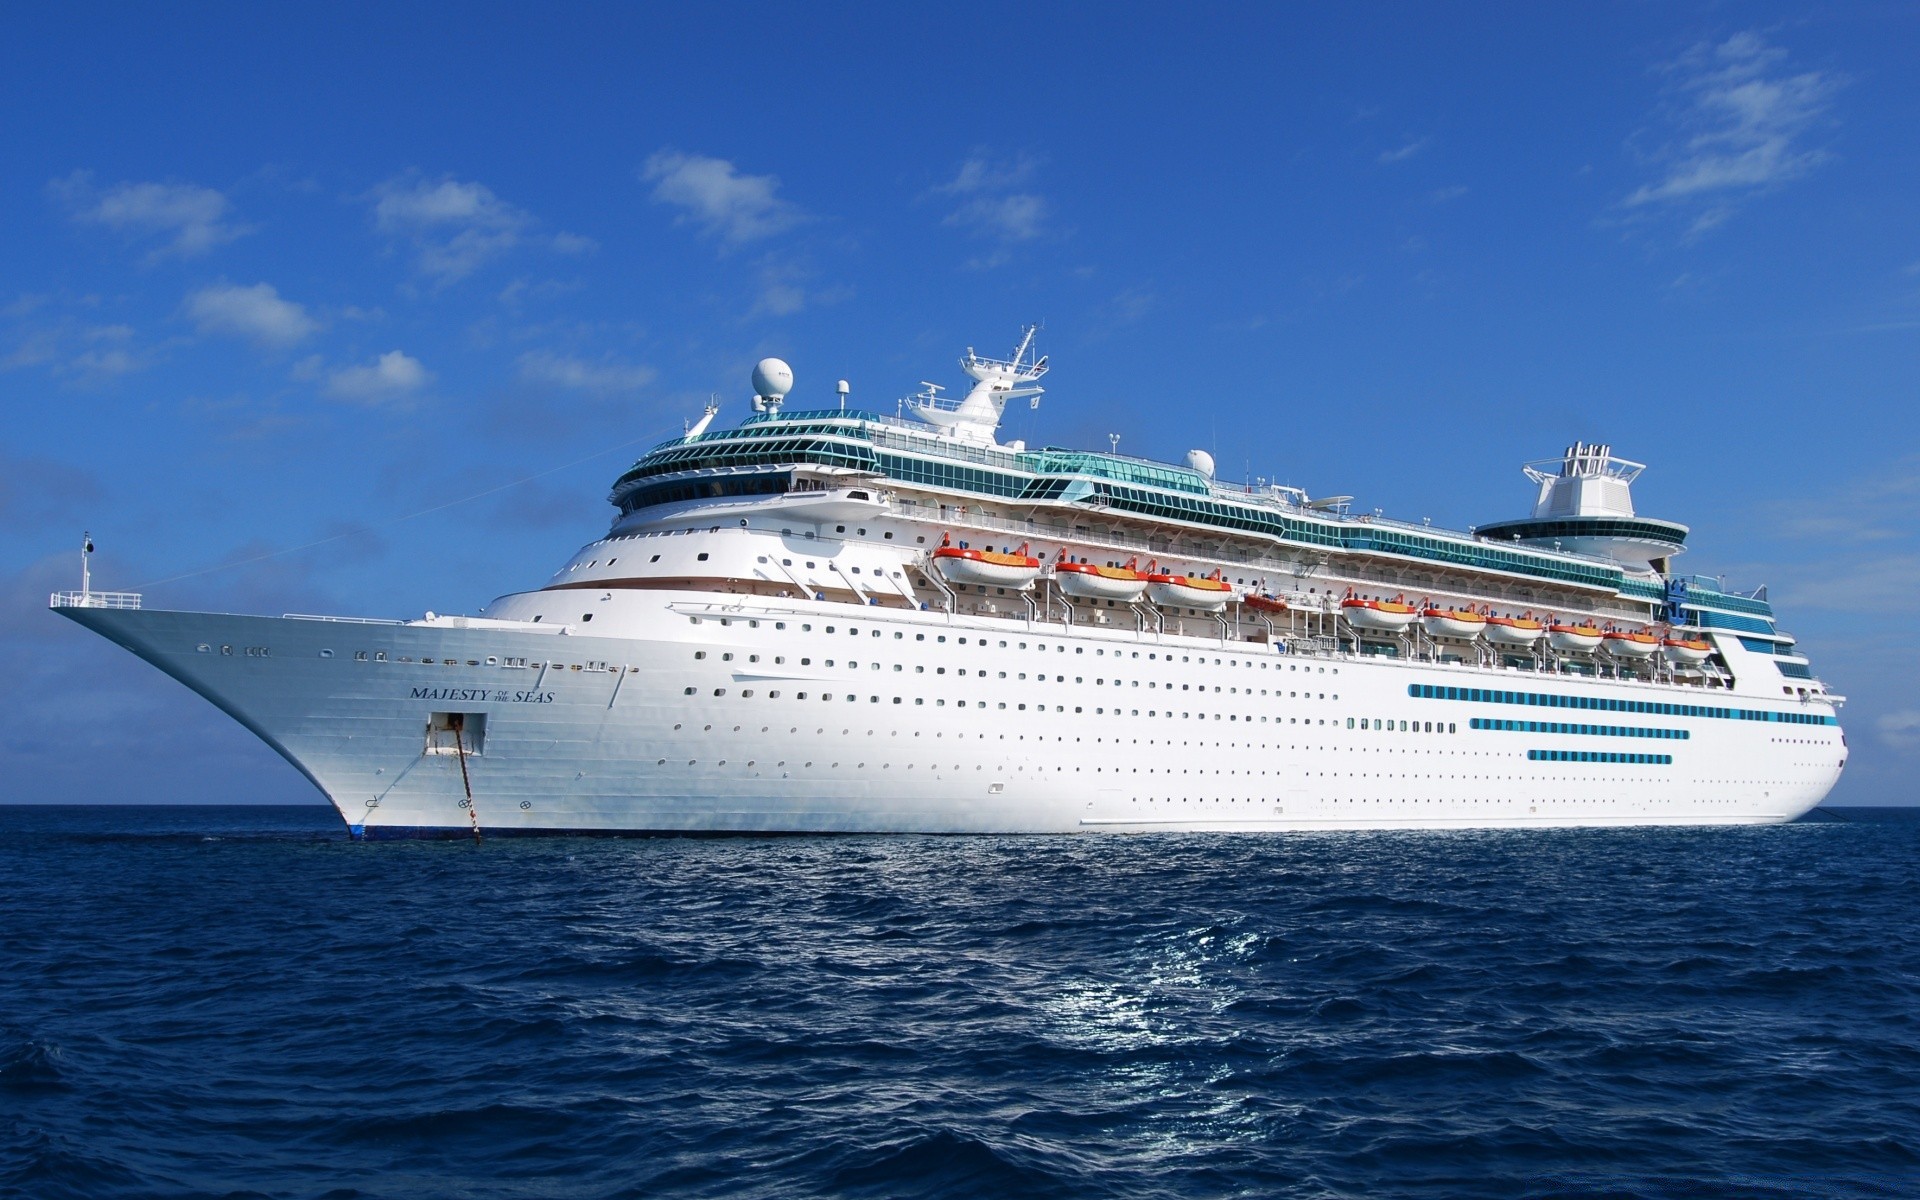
1126, 584
1210, 593
1455, 624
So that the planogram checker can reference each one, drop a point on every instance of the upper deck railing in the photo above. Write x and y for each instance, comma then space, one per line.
94, 600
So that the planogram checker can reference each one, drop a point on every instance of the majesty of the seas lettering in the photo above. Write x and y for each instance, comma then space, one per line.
468, 694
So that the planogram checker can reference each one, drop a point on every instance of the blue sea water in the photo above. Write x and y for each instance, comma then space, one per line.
242, 1002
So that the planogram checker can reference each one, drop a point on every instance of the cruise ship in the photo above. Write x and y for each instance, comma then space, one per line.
836, 620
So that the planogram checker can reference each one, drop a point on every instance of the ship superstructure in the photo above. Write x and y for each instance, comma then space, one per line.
839, 620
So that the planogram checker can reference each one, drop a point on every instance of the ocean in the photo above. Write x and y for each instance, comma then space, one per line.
238, 1001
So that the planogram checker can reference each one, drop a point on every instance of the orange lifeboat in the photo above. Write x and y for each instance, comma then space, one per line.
1265, 604
1577, 639
1388, 616
1208, 592
961, 564
1622, 644
1458, 624
1514, 631
1686, 652
1100, 583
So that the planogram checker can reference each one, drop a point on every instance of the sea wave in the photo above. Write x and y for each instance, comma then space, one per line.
231, 1001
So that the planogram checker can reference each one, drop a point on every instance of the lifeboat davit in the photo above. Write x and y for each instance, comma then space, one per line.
1622, 644
1454, 623
1514, 631
1265, 604
1576, 638
1208, 592
960, 564
1100, 583
1389, 616
1687, 652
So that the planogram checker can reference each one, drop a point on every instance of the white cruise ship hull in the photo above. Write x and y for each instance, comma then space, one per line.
691, 721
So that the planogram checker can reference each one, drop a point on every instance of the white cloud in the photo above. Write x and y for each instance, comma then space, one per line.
418, 204
1740, 124
780, 298
455, 228
735, 207
110, 359
555, 370
392, 375
1016, 218
1863, 583
194, 218
992, 207
256, 312
1405, 150
982, 174
1130, 305
1901, 730
1875, 505
83, 354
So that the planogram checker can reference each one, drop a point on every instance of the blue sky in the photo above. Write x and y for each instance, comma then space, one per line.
415, 282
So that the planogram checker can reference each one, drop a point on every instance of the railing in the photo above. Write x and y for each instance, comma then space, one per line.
94, 600
922, 440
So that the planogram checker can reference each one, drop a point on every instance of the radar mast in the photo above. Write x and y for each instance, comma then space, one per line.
976, 416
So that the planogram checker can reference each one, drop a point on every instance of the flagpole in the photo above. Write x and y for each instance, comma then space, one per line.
86, 564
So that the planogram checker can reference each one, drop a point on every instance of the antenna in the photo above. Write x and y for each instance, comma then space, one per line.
86, 563
1113, 440
699, 427
843, 389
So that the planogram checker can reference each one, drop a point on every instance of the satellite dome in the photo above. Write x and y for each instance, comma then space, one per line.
1201, 461
772, 378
